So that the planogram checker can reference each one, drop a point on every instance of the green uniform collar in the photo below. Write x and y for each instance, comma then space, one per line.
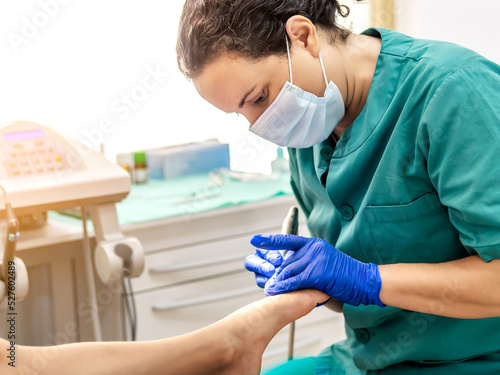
382, 88
393, 43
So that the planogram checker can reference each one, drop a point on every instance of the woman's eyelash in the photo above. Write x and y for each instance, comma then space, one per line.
260, 98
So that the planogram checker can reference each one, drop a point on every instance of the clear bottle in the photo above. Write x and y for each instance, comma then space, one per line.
280, 164
140, 168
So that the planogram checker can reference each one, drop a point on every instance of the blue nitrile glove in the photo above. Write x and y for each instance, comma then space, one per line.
316, 264
263, 263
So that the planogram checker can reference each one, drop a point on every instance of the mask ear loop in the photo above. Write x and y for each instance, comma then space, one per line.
323, 69
289, 60
290, 63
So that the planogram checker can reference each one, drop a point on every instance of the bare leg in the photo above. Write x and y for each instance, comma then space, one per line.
250, 329
233, 345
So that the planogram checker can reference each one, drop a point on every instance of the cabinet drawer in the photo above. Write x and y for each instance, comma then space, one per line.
181, 264
176, 310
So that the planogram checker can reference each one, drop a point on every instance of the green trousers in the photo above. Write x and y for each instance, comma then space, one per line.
304, 366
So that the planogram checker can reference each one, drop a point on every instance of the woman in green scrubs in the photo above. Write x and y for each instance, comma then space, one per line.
394, 147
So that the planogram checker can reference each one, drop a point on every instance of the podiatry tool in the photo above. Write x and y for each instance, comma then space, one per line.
290, 226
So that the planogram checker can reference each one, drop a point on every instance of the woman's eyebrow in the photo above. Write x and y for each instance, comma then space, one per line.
242, 103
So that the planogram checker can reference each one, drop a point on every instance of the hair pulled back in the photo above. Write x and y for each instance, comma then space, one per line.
250, 28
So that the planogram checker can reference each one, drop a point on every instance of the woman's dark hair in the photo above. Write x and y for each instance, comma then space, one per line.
250, 28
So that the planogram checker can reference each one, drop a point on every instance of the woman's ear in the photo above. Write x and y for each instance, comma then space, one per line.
302, 34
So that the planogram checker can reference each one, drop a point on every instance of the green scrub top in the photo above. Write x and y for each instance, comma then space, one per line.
414, 179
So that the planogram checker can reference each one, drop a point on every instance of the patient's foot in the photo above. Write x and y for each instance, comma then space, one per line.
248, 331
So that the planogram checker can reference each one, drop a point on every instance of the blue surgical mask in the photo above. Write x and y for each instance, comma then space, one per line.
299, 119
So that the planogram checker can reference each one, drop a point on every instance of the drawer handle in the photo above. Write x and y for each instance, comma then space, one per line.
167, 305
163, 268
299, 344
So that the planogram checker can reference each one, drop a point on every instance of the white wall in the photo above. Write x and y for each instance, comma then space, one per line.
359, 17
472, 24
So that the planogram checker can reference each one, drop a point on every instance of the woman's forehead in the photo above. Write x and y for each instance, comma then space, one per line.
225, 81
222, 80
234, 69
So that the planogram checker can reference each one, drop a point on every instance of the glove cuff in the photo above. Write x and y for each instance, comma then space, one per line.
363, 286
373, 285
